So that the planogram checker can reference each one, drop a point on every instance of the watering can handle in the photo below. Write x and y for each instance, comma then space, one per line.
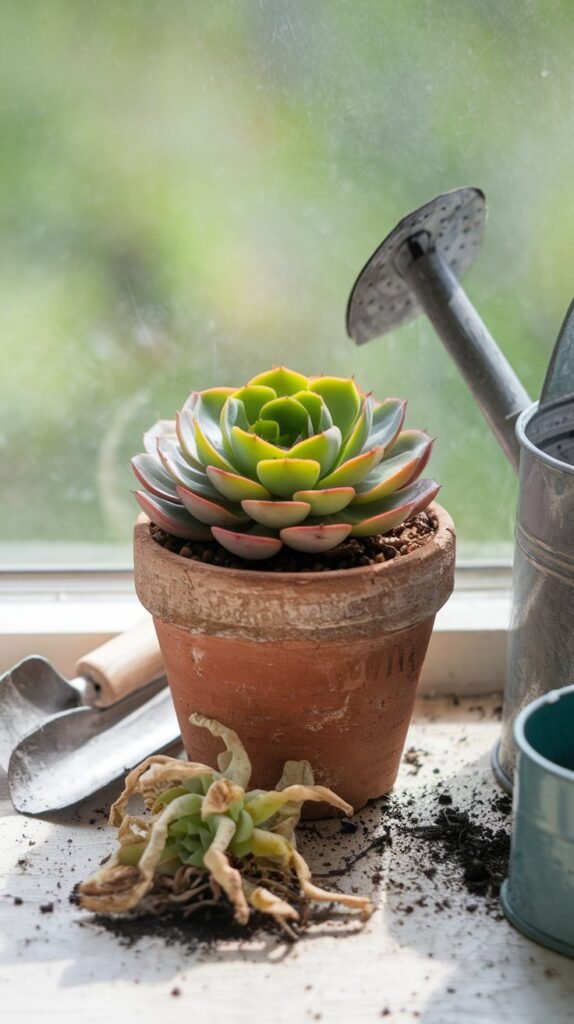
559, 380
484, 368
121, 665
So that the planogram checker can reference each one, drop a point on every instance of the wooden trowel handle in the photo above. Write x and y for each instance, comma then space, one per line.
121, 665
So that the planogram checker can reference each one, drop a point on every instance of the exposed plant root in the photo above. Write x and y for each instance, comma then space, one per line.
206, 841
272, 891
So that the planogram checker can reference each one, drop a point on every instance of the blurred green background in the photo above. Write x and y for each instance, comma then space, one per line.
188, 191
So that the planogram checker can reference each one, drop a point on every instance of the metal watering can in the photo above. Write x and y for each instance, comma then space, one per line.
417, 268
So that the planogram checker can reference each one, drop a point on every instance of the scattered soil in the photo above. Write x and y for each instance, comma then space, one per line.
480, 852
209, 928
502, 803
351, 554
378, 843
203, 931
348, 827
455, 852
211, 925
414, 758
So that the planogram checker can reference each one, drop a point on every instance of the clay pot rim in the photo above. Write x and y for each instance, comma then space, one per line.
442, 534
261, 605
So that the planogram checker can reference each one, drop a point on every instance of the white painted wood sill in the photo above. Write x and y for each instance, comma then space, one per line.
431, 965
440, 968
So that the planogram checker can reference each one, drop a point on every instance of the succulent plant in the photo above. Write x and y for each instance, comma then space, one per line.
206, 833
286, 459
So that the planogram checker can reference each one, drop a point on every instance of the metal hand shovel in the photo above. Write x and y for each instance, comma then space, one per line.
415, 268
78, 752
33, 691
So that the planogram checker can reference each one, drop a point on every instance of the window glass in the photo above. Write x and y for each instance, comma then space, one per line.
188, 192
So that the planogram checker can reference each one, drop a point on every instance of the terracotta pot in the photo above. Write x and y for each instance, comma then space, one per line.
322, 666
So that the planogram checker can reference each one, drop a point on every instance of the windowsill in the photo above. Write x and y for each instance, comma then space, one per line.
432, 950
62, 615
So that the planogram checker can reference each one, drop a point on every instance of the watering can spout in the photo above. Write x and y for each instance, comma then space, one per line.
417, 268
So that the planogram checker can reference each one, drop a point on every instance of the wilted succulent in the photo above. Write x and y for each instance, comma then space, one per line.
207, 833
287, 459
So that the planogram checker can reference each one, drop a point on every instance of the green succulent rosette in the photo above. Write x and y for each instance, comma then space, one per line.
285, 460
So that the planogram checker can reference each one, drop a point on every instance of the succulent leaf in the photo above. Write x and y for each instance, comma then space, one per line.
314, 406
276, 514
191, 401
209, 455
172, 518
284, 459
212, 513
317, 537
323, 448
355, 470
388, 418
267, 429
159, 429
408, 437
326, 502
285, 476
405, 462
253, 397
290, 416
207, 410
181, 472
386, 513
250, 450
233, 414
341, 398
422, 492
235, 487
360, 433
325, 419
282, 380
152, 475
251, 545
184, 424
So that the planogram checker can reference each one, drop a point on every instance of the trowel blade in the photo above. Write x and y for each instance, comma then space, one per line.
79, 752
30, 693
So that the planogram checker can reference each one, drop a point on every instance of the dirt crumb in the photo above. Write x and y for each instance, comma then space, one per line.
480, 852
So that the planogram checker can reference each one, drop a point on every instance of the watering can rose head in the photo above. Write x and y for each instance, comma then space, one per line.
284, 460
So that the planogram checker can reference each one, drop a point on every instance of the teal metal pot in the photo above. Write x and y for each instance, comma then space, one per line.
538, 896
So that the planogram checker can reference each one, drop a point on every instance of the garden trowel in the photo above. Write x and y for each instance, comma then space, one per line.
33, 691
78, 752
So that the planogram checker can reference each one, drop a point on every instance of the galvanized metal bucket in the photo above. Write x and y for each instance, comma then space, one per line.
538, 896
541, 643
